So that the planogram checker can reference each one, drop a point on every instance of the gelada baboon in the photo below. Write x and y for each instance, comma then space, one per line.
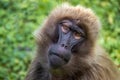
67, 48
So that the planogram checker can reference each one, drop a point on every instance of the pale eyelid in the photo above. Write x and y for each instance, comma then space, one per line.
65, 28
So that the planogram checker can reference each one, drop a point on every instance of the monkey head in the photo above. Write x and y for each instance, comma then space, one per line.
71, 30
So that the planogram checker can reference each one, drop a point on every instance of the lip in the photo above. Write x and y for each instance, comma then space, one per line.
59, 57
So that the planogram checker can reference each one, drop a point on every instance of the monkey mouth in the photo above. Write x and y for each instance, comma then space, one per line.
51, 53
61, 57
57, 61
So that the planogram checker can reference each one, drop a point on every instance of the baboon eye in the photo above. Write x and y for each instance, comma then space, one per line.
65, 28
77, 35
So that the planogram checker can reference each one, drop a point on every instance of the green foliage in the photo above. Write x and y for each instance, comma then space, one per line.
19, 18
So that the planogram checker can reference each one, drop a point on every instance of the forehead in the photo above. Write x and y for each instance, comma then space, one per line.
70, 21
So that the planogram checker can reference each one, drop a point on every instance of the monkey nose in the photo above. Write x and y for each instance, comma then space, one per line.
64, 46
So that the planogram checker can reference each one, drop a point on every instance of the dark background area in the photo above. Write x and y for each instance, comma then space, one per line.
19, 19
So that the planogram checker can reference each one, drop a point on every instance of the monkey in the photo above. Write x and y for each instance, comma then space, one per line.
67, 47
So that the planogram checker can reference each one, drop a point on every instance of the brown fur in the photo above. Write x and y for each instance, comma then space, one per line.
90, 63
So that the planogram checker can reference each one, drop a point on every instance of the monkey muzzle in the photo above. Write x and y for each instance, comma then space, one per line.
58, 56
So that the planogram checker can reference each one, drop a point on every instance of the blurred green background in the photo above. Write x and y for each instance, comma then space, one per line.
19, 18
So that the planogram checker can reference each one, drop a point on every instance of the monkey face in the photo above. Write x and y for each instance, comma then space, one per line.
69, 36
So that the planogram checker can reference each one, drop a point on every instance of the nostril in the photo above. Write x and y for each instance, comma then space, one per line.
66, 46
62, 45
